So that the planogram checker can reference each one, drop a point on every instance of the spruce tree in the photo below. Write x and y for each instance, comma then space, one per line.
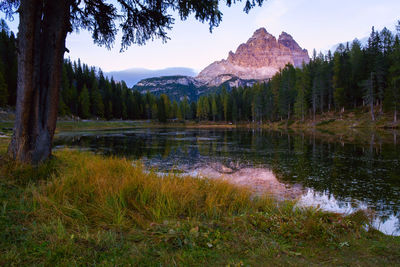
62, 107
226, 104
3, 90
185, 108
369, 94
302, 81
179, 113
161, 109
84, 103
214, 108
193, 108
357, 67
97, 104
392, 95
174, 109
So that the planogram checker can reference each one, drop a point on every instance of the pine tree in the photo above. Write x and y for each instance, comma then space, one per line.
62, 107
203, 108
339, 79
269, 105
185, 108
357, 62
369, 94
392, 94
234, 109
84, 103
3, 91
107, 99
154, 112
97, 105
376, 72
193, 108
167, 106
287, 91
214, 109
110, 108
161, 109
179, 113
175, 109
226, 104
302, 81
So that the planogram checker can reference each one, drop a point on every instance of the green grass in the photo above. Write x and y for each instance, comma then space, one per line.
85, 209
6, 126
92, 125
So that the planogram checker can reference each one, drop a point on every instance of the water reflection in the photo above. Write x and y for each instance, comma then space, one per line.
386, 222
341, 174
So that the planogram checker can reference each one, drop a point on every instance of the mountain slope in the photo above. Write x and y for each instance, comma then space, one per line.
178, 87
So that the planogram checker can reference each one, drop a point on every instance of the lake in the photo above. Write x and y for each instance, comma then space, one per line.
332, 174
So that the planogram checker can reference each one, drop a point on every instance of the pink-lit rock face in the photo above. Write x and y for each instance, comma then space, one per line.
259, 58
258, 180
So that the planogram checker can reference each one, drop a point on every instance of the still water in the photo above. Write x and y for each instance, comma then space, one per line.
335, 176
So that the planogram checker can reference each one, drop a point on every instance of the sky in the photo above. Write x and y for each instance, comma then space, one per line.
318, 24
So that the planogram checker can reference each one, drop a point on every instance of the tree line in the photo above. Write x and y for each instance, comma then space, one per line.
353, 76
88, 93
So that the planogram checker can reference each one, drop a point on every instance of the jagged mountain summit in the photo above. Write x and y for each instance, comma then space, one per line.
259, 58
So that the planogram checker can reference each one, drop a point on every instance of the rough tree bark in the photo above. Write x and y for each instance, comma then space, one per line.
41, 44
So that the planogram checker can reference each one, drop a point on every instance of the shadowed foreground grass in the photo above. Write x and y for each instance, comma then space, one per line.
85, 209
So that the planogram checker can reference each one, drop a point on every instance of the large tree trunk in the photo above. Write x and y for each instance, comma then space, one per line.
41, 44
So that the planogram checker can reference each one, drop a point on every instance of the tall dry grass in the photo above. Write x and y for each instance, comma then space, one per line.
111, 192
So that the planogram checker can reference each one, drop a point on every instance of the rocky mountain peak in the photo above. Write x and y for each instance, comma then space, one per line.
259, 58
262, 33
288, 41
285, 35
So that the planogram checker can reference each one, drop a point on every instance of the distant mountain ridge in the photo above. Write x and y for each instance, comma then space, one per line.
177, 87
134, 75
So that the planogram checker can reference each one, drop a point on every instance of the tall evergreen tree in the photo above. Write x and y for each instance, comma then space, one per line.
214, 108
161, 111
96, 106
175, 109
392, 95
84, 103
358, 69
3, 91
369, 95
302, 82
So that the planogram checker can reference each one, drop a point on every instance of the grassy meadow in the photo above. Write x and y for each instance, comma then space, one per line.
84, 209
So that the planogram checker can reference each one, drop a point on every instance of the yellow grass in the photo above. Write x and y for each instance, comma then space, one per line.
113, 192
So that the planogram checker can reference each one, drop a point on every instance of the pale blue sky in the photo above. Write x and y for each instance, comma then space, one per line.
318, 24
